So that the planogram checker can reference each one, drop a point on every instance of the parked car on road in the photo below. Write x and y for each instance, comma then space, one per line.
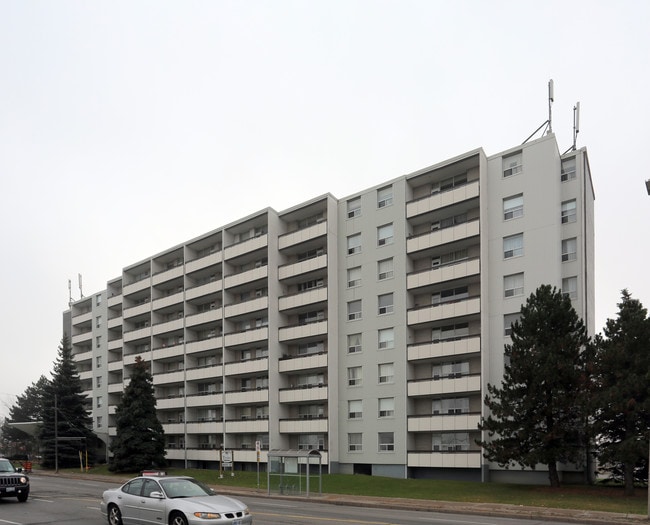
173, 500
13, 483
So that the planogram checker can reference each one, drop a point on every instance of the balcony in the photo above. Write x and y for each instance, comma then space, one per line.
134, 311
114, 300
205, 427
137, 286
249, 245
303, 393
441, 274
115, 322
82, 338
444, 236
301, 267
85, 317
204, 372
203, 262
207, 399
115, 366
170, 402
168, 300
444, 348
288, 333
303, 426
448, 310
164, 378
115, 345
307, 362
83, 356
299, 236
116, 388
209, 288
138, 333
248, 426
316, 295
247, 336
167, 275
252, 366
445, 385
443, 199
168, 326
247, 307
444, 422
248, 276
247, 397
174, 428
164, 352
203, 317
202, 345
463, 459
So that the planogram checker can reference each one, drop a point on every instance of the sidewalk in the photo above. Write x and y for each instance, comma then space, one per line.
479, 509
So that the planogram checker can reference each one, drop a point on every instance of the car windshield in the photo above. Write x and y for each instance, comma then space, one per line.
6, 466
185, 488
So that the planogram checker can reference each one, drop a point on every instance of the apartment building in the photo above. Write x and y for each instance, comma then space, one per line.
366, 328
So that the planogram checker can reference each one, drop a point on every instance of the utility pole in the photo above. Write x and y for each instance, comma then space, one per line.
56, 435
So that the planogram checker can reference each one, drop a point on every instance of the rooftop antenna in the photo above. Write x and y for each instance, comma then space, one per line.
69, 292
547, 122
576, 127
80, 288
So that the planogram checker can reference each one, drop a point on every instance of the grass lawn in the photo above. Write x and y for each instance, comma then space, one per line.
600, 498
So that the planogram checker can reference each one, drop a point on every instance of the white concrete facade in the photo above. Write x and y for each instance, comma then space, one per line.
366, 327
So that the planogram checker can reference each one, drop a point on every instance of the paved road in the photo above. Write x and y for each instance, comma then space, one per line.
75, 501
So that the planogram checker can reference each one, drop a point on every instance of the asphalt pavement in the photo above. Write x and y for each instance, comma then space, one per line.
481, 509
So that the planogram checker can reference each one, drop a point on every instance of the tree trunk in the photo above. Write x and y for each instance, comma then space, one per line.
553, 475
629, 478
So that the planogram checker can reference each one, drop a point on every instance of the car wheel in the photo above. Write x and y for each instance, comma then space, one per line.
177, 518
114, 515
23, 498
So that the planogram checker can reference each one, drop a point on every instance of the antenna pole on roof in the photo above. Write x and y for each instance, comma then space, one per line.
547, 122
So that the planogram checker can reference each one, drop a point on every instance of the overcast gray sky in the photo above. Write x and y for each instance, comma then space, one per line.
127, 127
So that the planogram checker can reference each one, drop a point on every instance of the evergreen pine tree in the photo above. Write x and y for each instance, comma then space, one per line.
65, 404
537, 415
139, 443
622, 418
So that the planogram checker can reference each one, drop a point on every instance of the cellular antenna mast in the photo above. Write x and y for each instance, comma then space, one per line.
576, 127
547, 123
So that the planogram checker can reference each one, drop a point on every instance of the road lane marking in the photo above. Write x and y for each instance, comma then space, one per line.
313, 519
10, 522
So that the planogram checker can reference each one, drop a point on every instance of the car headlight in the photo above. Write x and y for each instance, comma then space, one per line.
246, 511
207, 515
23, 480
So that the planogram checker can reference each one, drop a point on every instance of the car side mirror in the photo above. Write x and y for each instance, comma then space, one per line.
157, 495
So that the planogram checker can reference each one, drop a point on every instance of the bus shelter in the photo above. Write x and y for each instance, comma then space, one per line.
294, 472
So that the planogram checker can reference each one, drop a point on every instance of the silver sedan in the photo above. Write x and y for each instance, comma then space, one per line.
172, 500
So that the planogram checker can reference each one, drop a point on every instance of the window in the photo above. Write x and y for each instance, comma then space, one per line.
386, 442
508, 321
386, 407
385, 304
449, 258
454, 405
570, 287
354, 343
513, 207
384, 197
99, 402
569, 211
355, 443
453, 294
385, 269
98, 300
568, 169
98, 381
98, 341
354, 208
100, 421
449, 183
450, 332
385, 235
98, 361
386, 373
386, 338
513, 246
512, 165
308, 318
354, 277
354, 310
355, 409
354, 376
450, 442
448, 222
513, 285
569, 249
450, 370
354, 244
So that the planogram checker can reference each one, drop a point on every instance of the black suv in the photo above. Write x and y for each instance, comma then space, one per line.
13, 483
